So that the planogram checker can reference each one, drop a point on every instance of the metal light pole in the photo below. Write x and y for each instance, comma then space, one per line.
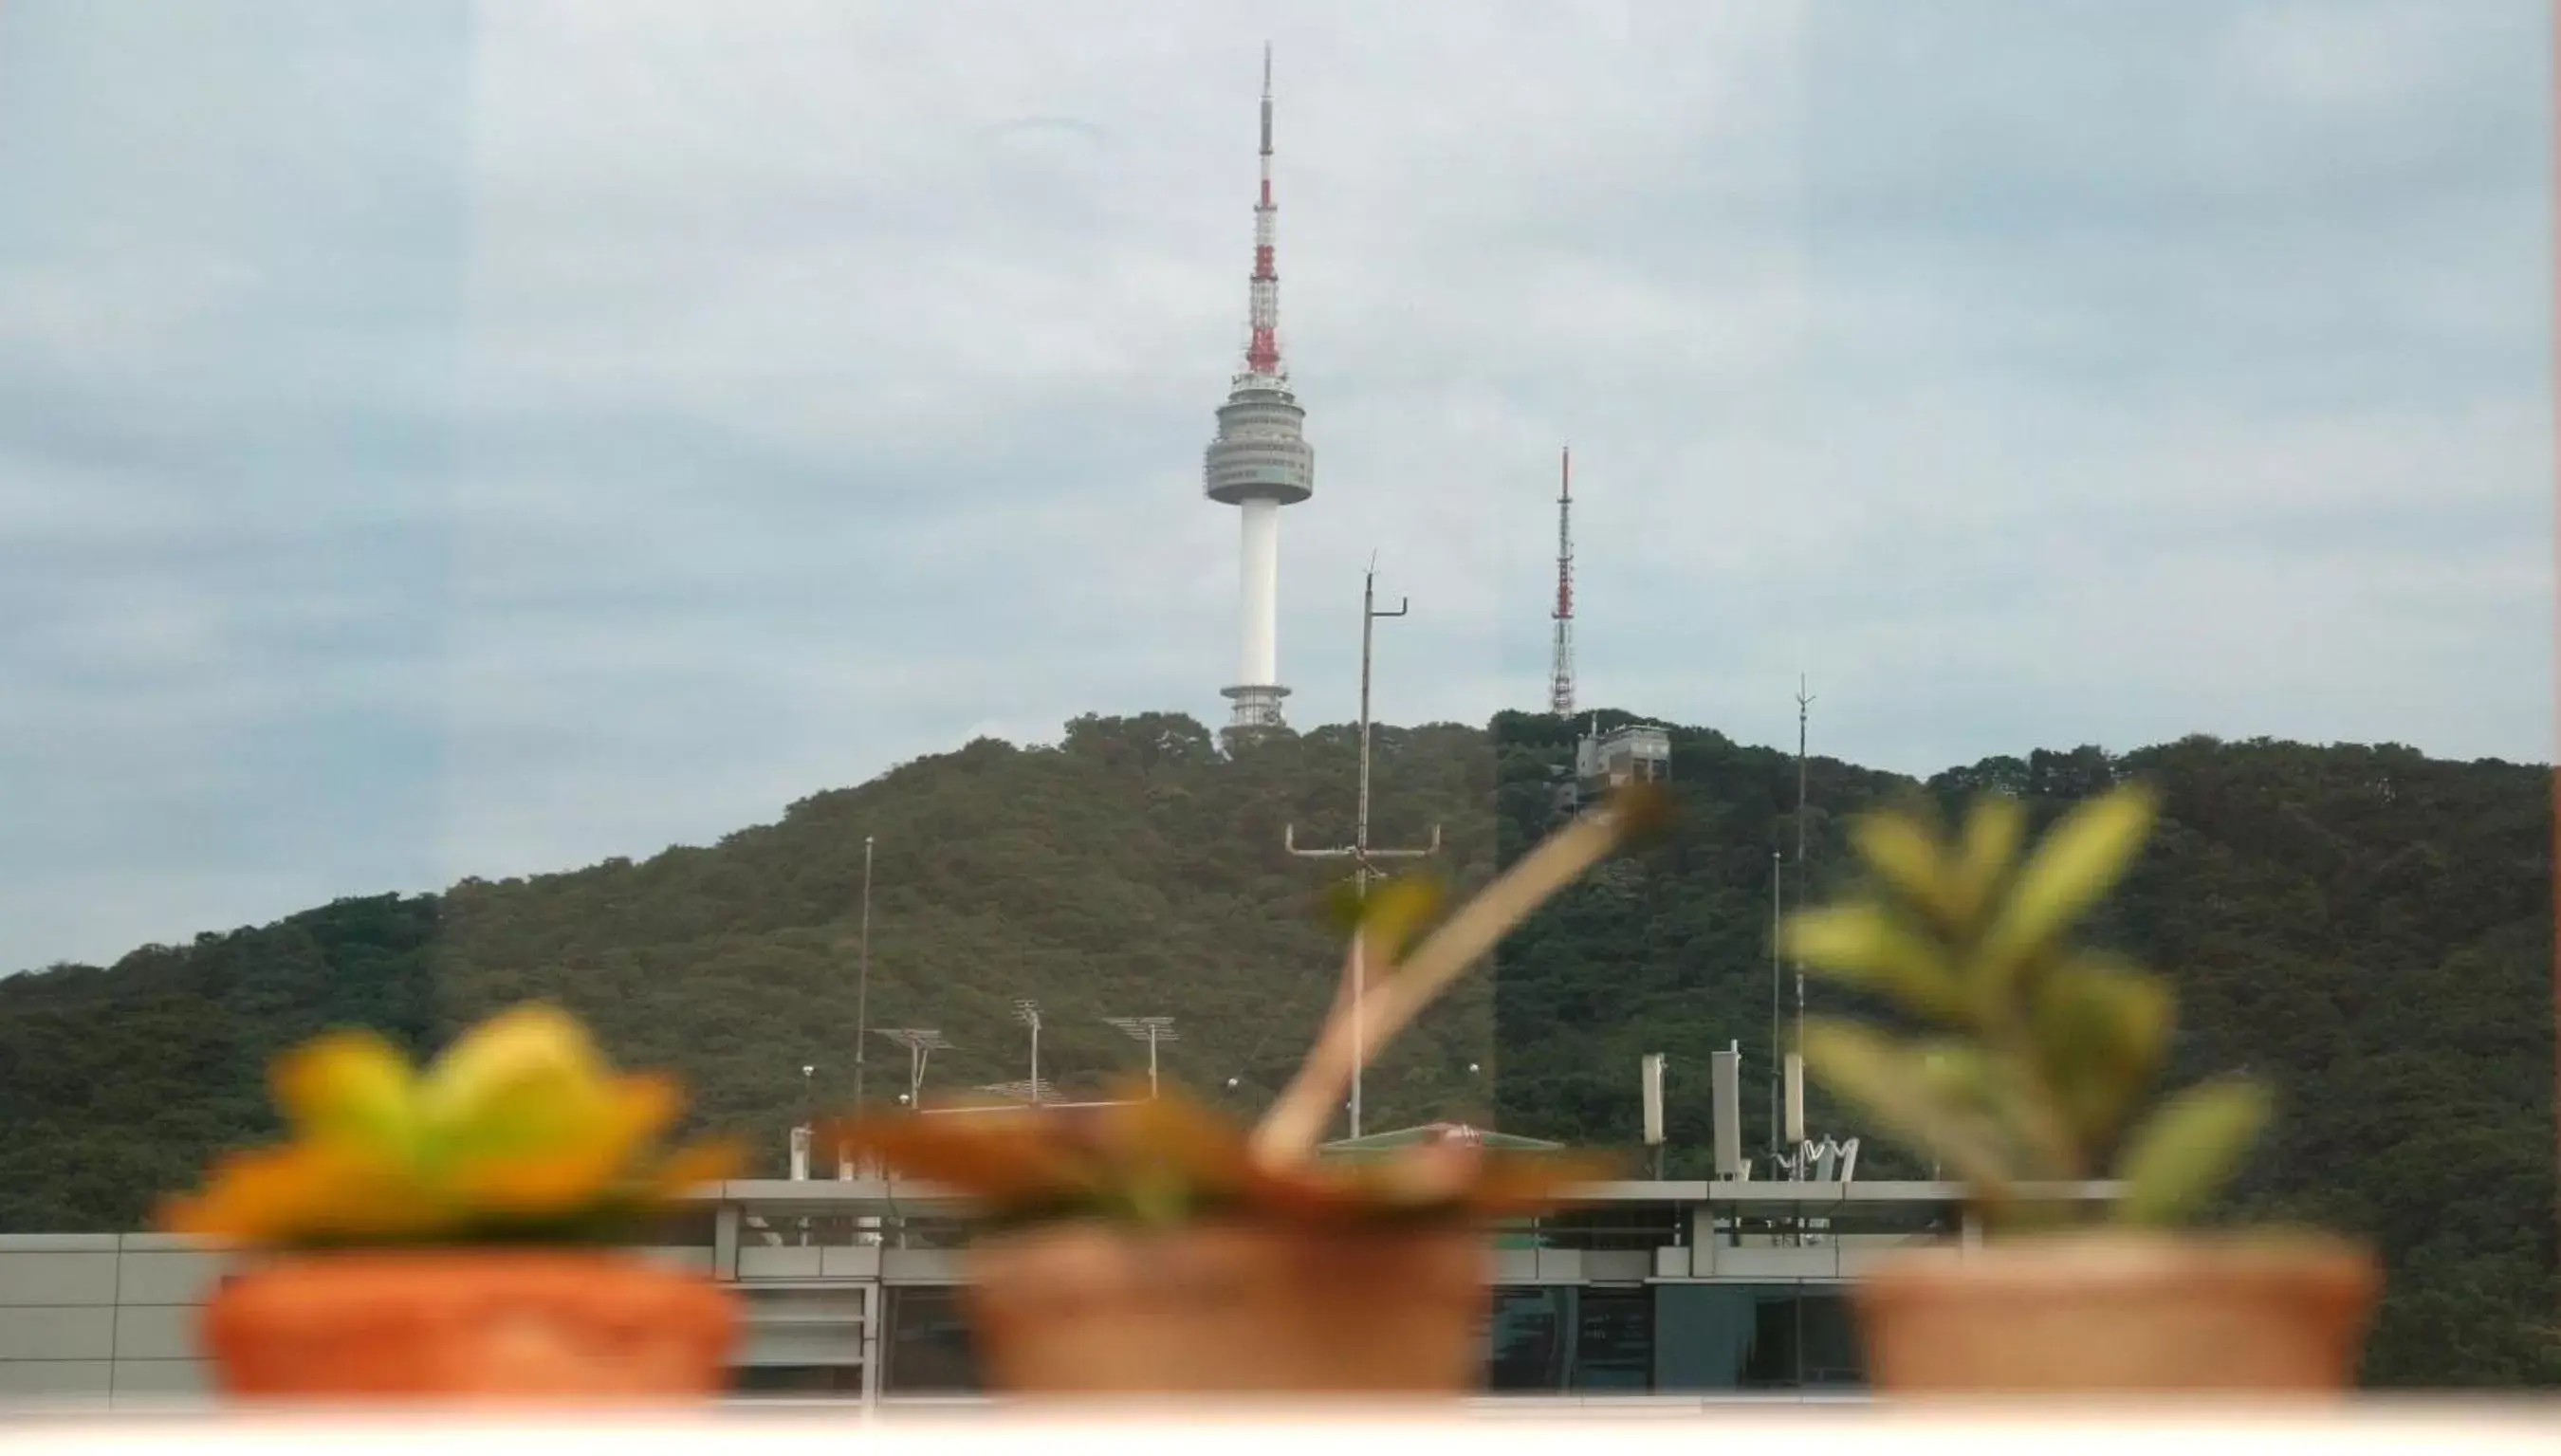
1803, 701
1027, 1012
862, 981
1150, 1029
1359, 851
1777, 1049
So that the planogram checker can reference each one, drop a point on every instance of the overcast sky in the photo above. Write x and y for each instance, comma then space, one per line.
444, 439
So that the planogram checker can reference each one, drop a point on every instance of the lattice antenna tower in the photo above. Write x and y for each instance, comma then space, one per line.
1560, 673
1803, 701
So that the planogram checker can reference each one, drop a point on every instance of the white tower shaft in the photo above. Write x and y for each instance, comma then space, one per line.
1259, 658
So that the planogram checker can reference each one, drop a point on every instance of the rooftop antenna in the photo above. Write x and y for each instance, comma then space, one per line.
1359, 851
1150, 1029
1650, 1072
1560, 673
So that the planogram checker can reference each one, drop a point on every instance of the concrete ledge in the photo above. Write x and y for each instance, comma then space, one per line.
1822, 1261
859, 1262
920, 1266
778, 1264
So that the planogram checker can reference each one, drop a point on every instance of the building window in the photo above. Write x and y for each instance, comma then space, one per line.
1530, 1339
929, 1342
1828, 1355
1548, 1340
1754, 1337
1614, 1339
798, 1382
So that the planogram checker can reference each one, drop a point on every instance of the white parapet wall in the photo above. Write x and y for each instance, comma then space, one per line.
826, 1266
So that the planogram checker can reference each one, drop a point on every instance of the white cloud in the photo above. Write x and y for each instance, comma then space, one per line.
568, 427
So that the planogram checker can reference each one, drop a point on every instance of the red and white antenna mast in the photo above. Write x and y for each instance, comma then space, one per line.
1560, 679
1263, 347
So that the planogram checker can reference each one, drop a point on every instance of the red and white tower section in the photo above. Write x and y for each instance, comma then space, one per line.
1259, 464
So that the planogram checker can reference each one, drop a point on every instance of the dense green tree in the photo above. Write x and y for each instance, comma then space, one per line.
2368, 928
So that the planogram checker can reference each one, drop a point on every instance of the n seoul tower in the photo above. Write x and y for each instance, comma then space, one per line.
1259, 464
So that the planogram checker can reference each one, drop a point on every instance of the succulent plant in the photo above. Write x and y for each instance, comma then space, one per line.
518, 1133
2037, 1053
1164, 1159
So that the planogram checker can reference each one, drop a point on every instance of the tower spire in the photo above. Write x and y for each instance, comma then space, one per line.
1560, 678
1262, 312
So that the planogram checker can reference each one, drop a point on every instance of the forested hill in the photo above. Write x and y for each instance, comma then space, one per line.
2368, 928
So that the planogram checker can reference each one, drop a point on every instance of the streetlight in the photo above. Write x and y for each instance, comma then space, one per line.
921, 1042
1150, 1029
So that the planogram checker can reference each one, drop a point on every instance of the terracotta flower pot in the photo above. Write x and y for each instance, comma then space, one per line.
1230, 1307
2121, 1313
471, 1323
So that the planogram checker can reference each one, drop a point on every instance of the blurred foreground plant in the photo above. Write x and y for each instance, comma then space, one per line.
2039, 1053
519, 1133
1164, 1161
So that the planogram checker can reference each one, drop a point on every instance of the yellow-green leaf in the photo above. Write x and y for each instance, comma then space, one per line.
1985, 849
1397, 912
1958, 1073
2079, 861
1896, 1088
1904, 853
524, 1079
349, 1086
2102, 1028
1866, 945
2175, 1162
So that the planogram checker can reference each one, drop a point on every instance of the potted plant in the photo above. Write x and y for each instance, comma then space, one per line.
1152, 1245
2034, 1056
447, 1233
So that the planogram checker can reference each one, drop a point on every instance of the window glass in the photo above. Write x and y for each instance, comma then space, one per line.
1614, 1339
1530, 1338
929, 1342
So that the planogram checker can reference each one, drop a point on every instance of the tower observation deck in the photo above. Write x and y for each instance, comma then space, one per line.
1259, 462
